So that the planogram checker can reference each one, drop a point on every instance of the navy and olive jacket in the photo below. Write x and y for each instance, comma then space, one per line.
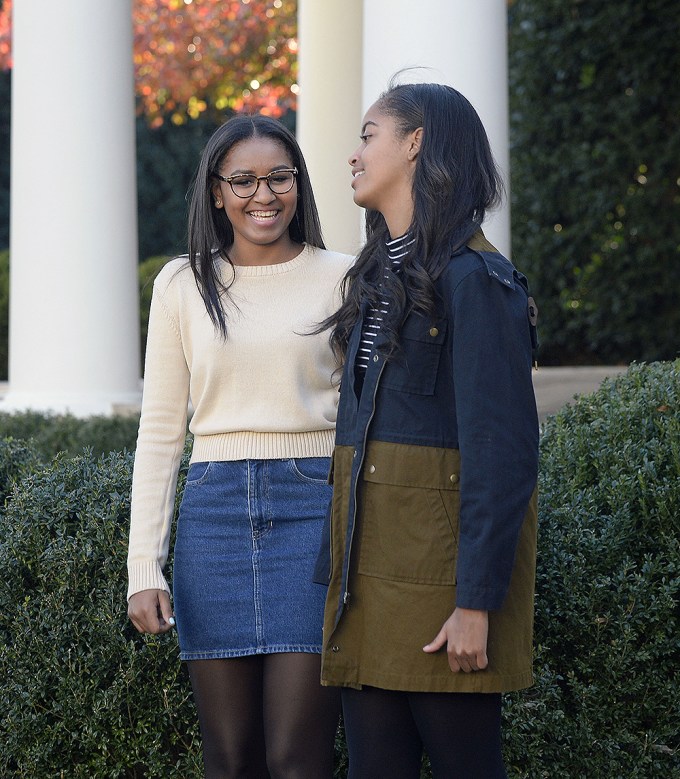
462, 381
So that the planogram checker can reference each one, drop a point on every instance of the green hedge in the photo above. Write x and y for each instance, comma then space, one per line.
595, 160
51, 434
18, 459
82, 693
608, 591
4, 313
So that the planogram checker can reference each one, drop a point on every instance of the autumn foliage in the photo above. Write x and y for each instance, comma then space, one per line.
5, 34
194, 55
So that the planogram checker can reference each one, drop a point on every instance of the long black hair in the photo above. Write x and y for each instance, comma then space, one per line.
210, 233
455, 182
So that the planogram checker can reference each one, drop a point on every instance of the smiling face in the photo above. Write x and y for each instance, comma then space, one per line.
382, 169
260, 222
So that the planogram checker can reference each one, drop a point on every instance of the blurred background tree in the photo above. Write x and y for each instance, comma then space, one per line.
194, 56
595, 158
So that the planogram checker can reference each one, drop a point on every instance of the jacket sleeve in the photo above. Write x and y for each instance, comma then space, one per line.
497, 430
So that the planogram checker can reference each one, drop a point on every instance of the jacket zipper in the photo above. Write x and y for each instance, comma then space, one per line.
346, 595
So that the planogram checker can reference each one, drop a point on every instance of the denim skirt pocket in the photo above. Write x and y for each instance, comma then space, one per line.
198, 472
310, 469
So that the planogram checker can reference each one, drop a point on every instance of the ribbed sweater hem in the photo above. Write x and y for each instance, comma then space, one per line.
248, 445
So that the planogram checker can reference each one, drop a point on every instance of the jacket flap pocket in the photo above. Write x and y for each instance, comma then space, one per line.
424, 329
407, 465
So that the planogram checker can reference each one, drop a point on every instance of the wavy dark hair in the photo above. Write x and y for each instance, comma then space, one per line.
456, 181
210, 233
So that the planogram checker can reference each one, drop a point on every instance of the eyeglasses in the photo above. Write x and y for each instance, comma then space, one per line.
246, 185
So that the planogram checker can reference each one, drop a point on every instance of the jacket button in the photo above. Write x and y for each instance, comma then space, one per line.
335, 648
454, 478
434, 332
371, 469
375, 358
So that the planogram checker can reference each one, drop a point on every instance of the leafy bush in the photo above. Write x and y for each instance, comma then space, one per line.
17, 459
54, 433
4, 313
595, 159
81, 693
606, 702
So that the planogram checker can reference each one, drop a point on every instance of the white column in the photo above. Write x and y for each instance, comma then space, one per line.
329, 111
74, 322
462, 43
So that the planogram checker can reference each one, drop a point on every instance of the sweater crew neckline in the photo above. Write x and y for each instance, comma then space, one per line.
272, 270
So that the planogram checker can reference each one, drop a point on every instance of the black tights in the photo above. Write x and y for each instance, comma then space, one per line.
265, 717
387, 732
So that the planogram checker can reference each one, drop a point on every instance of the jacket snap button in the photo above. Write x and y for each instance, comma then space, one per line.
434, 332
371, 469
454, 478
335, 649
375, 358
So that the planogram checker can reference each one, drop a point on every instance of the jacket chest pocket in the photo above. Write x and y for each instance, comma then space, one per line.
414, 368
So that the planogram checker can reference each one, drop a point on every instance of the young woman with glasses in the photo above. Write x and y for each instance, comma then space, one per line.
431, 555
231, 330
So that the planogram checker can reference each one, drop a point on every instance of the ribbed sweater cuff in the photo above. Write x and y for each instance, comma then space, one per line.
146, 575
247, 445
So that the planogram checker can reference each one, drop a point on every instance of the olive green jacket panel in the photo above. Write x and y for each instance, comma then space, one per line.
402, 578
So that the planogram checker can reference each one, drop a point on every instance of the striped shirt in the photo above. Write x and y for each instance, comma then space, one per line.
396, 250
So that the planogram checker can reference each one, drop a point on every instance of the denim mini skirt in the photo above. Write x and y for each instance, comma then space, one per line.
247, 540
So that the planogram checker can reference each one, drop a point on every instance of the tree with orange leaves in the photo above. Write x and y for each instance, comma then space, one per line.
192, 55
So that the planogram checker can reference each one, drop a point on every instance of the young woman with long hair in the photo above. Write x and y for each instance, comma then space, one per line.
231, 330
431, 553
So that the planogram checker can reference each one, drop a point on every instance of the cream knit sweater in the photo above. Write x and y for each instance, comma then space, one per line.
269, 391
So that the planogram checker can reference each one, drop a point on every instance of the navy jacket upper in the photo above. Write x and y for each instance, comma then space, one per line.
461, 380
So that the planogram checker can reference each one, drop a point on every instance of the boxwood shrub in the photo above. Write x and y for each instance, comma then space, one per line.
82, 695
606, 702
51, 434
17, 459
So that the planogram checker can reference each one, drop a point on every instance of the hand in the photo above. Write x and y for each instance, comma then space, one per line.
151, 612
465, 634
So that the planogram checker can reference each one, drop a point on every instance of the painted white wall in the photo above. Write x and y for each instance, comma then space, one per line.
74, 322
